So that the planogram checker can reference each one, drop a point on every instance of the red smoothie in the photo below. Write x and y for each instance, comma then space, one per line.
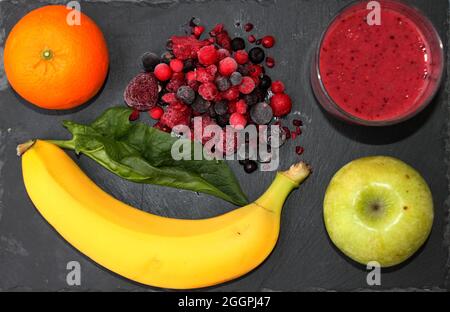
378, 72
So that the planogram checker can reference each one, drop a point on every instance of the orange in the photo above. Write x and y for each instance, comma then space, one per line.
52, 64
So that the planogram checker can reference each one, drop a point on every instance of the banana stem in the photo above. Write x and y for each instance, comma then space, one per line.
273, 199
23, 148
298, 173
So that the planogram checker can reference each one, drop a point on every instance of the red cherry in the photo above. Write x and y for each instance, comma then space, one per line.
278, 87
156, 113
281, 104
176, 65
163, 72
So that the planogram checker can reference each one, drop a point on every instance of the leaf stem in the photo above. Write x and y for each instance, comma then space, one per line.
64, 144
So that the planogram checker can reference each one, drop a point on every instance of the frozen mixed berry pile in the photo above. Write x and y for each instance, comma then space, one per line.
219, 78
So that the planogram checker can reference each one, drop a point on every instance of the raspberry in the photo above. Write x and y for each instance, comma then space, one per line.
177, 65
156, 113
277, 87
199, 133
207, 55
238, 121
223, 53
208, 91
232, 107
241, 57
224, 40
163, 72
191, 76
176, 114
216, 30
203, 75
169, 98
212, 70
231, 94
268, 42
241, 107
255, 70
186, 47
247, 86
197, 31
281, 104
227, 66
142, 92
174, 84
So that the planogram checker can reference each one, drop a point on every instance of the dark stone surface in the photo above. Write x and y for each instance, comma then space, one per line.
34, 257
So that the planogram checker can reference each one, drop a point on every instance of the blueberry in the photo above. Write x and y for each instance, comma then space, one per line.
261, 113
257, 55
236, 78
237, 44
200, 105
221, 108
266, 82
149, 61
186, 94
251, 166
222, 83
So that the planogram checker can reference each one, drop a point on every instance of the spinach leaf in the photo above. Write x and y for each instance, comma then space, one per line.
142, 154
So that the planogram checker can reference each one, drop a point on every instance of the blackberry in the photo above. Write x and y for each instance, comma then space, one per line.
237, 44
149, 61
257, 55
236, 78
186, 94
222, 83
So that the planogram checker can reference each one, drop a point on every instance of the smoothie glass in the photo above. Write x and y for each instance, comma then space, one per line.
377, 75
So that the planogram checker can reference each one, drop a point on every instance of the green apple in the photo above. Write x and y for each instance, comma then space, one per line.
378, 209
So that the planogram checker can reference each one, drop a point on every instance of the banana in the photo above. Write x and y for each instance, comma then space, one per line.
149, 249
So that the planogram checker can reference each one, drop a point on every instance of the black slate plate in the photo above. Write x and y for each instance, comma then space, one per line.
34, 257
